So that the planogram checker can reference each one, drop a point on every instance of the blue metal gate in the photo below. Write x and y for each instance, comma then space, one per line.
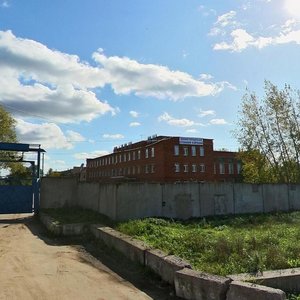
20, 197
16, 199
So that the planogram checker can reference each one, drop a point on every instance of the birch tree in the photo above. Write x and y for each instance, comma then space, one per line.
271, 125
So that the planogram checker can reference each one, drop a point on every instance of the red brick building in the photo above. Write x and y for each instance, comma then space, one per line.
165, 159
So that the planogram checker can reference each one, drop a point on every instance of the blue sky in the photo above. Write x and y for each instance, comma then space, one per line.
81, 77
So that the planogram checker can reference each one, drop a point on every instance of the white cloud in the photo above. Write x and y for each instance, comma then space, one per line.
218, 122
94, 154
38, 81
165, 117
73, 136
113, 136
134, 114
193, 130
48, 83
128, 76
134, 124
204, 113
205, 76
241, 39
49, 135
226, 19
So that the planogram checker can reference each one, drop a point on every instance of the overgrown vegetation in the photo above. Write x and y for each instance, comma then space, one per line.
226, 245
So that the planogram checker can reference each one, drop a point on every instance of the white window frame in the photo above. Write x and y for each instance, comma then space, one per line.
152, 152
194, 151
185, 168
185, 151
194, 168
176, 150
177, 167
202, 168
201, 151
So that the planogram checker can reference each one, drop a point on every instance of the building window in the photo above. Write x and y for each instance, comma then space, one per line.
185, 151
120, 158
230, 167
138, 169
176, 150
112, 159
133, 155
239, 167
222, 167
152, 168
124, 157
128, 171
201, 151
202, 168
194, 168
133, 170
193, 150
109, 160
177, 167
185, 168
152, 152
147, 169
146, 153
139, 154
129, 156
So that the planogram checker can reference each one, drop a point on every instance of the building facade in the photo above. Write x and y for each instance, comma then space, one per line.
165, 159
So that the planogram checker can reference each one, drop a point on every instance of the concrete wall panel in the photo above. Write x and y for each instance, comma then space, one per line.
216, 199
275, 197
58, 192
180, 200
248, 198
88, 193
138, 200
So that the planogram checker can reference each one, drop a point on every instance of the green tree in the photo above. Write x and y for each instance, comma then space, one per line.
270, 128
8, 135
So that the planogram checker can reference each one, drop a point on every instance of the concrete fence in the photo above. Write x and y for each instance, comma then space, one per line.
124, 201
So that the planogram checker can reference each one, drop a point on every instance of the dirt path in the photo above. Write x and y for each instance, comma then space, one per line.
32, 266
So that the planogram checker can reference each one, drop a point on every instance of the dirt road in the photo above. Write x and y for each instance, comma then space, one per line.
33, 266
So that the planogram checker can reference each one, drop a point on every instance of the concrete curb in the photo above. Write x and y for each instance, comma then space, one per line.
165, 265
189, 284
50, 224
128, 246
245, 290
287, 280
65, 229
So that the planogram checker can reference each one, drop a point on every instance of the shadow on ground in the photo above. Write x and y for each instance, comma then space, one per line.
99, 256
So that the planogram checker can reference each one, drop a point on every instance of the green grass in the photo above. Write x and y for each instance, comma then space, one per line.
77, 215
227, 245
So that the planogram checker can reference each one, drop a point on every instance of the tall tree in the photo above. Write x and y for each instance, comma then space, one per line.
271, 125
8, 135
7, 128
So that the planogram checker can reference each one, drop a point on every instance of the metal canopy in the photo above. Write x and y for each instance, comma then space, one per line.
21, 147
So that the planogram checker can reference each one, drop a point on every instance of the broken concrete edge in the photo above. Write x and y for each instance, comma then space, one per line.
284, 279
63, 229
189, 284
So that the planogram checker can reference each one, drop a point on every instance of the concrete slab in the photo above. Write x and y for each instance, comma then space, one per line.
239, 290
164, 265
287, 280
131, 248
193, 285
